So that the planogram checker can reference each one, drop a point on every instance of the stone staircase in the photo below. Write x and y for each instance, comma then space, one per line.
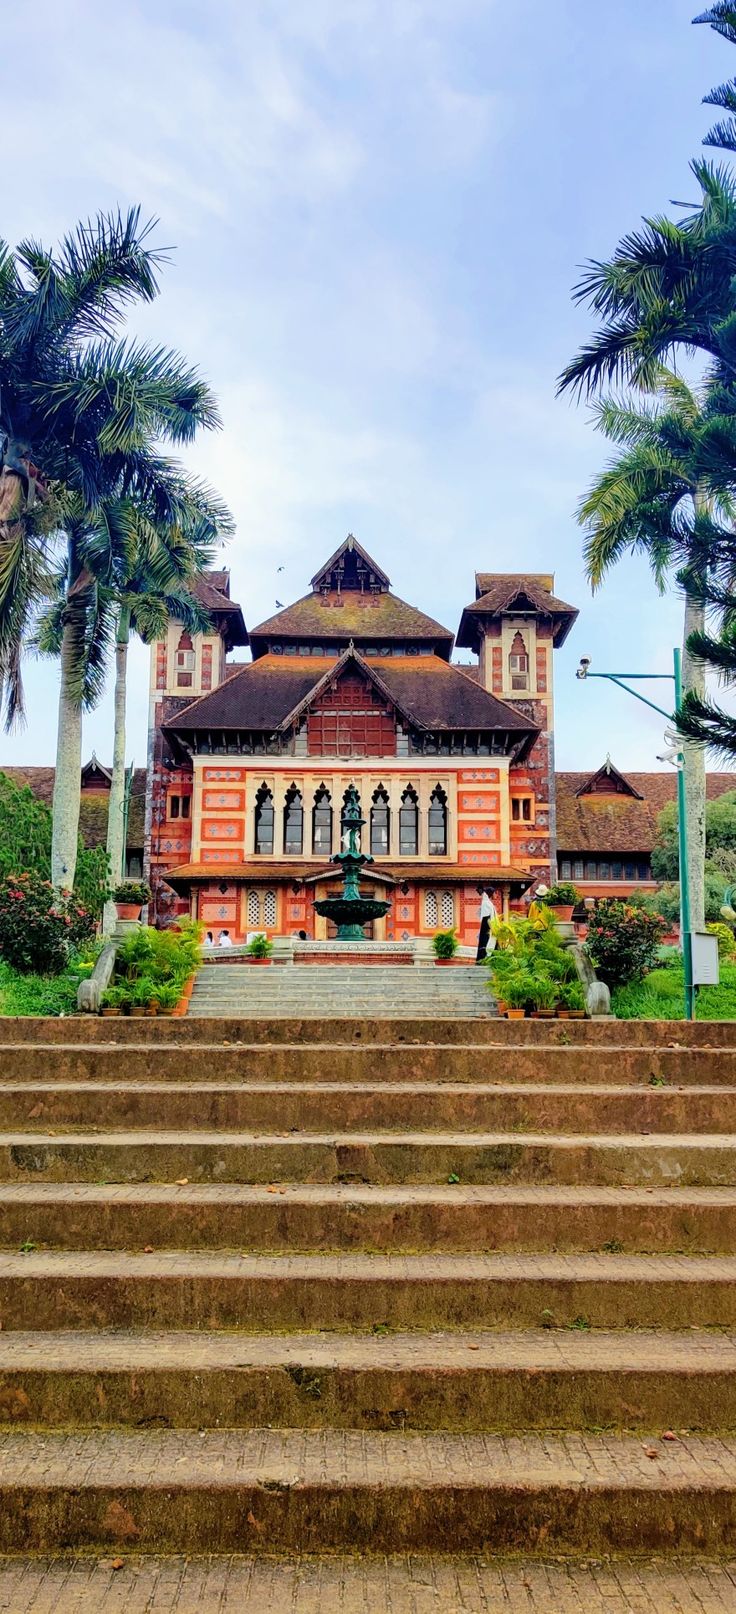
321, 991
459, 1300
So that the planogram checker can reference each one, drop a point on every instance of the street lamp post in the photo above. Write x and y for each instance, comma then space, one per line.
584, 672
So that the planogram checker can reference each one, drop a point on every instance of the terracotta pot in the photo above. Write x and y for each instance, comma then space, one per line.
261, 961
576, 1014
563, 914
563, 1014
128, 910
516, 1014
137, 1010
109, 1014
443, 961
501, 1006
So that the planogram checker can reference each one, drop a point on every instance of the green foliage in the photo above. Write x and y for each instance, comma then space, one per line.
260, 947
726, 938
39, 930
445, 944
660, 996
151, 966
666, 901
530, 967
623, 940
561, 895
52, 995
720, 835
25, 844
134, 892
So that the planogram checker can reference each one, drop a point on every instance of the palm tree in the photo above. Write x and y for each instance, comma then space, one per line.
722, 19
83, 415
665, 495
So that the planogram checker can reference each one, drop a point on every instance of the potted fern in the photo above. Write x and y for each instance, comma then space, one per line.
571, 1001
445, 946
260, 950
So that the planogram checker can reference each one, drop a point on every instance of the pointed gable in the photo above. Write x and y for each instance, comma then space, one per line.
500, 594
351, 567
608, 781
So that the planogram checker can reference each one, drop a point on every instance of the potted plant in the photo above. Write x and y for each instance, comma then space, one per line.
129, 898
571, 1001
543, 996
167, 997
517, 989
563, 899
143, 996
112, 1002
445, 946
260, 950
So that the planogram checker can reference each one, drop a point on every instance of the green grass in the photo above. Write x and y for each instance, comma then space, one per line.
41, 994
660, 996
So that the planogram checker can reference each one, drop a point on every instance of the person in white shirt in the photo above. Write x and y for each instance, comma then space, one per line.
486, 942
224, 939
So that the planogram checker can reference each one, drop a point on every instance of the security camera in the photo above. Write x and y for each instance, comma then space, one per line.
672, 756
582, 671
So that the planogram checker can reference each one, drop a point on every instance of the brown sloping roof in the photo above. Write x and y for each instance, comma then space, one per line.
496, 592
616, 823
271, 870
350, 545
366, 618
212, 589
267, 693
92, 806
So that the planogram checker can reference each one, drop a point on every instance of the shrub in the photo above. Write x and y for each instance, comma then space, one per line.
571, 995
623, 940
445, 944
39, 928
561, 895
260, 947
132, 891
726, 939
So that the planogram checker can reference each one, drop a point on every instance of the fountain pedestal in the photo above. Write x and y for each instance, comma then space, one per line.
351, 912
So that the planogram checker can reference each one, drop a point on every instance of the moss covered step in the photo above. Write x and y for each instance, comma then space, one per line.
657, 1160
44, 1290
563, 1379
349, 1216
176, 1490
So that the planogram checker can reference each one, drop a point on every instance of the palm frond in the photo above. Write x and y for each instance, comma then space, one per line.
721, 17
703, 721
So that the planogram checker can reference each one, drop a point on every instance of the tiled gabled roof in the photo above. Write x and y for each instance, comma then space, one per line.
619, 823
267, 694
497, 592
366, 618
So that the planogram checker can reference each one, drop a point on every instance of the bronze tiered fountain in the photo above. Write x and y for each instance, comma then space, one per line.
351, 912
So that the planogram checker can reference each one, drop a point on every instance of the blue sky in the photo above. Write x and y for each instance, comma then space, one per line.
378, 209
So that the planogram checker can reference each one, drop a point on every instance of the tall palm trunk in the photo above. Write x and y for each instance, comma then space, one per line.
115, 811
693, 677
65, 827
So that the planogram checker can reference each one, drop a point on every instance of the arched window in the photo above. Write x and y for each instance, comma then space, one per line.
431, 912
322, 823
264, 822
438, 823
409, 823
518, 664
269, 908
254, 909
293, 823
185, 662
380, 824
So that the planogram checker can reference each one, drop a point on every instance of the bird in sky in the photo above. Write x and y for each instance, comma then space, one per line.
280, 605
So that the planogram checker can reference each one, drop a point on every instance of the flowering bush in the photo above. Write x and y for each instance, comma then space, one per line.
623, 940
38, 928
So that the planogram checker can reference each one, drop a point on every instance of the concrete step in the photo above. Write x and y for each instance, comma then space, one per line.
474, 1382
511, 1035
356, 1217
368, 1063
176, 1490
253, 1293
315, 1107
416, 1583
658, 1160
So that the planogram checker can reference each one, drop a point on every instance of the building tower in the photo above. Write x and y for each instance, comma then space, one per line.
514, 625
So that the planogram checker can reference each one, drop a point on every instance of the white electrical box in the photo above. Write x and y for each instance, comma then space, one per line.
705, 958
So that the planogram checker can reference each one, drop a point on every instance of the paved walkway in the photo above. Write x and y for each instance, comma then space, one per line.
412, 1585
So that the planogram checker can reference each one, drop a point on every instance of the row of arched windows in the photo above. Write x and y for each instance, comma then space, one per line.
379, 823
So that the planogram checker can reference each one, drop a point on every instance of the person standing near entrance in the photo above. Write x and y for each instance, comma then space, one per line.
487, 915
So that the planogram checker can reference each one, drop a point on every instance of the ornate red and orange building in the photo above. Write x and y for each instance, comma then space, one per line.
249, 763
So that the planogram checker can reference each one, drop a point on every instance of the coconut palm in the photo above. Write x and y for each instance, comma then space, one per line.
83, 417
667, 494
